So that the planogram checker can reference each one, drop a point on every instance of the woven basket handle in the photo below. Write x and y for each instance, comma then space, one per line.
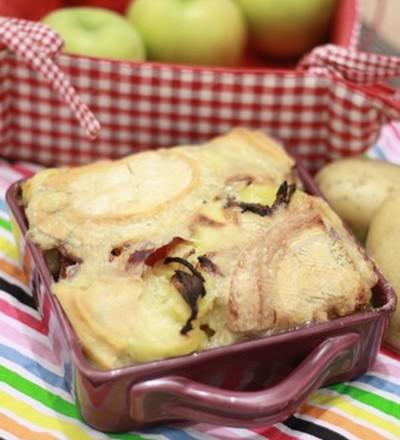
35, 44
359, 67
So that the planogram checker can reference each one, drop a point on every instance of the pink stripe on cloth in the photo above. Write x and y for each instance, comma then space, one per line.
4, 182
23, 170
274, 433
387, 369
389, 141
23, 317
23, 340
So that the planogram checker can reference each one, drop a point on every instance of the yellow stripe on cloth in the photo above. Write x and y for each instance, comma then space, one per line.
357, 412
26, 412
22, 432
353, 427
8, 249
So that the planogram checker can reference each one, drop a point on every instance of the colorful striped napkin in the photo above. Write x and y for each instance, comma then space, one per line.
35, 402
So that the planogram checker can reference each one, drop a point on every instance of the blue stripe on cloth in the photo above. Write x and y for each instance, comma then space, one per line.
377, 152
380, 384
3, 206
170, 432
33, 367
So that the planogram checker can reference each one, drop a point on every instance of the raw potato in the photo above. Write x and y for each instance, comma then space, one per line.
383, 244
356, 187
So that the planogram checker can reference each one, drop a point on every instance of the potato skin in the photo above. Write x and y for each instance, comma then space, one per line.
356, 187
383, 244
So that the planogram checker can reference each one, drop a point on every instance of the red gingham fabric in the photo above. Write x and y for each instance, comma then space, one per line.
356, 30
33, 43
42, 37
359, 67
148, 105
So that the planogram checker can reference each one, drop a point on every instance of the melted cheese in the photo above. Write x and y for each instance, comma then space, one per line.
268, 273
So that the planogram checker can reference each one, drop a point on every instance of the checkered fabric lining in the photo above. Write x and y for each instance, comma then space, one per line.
330, 108
33, 43
359, 67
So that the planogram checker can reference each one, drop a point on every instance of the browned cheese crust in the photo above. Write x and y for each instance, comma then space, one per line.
172, 251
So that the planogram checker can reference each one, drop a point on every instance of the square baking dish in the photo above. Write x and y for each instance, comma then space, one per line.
248, 384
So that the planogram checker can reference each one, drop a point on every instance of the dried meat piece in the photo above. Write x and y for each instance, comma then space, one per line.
190, 286
140, 256
186, 264
158, 254
283, 197
256, 208
208, 265
284, 194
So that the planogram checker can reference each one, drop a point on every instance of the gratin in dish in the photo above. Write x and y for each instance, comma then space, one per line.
174, 251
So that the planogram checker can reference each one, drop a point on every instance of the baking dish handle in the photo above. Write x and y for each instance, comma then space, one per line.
178, 398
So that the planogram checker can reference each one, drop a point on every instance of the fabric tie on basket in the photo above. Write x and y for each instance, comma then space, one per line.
35, 44
364, 69
350, 64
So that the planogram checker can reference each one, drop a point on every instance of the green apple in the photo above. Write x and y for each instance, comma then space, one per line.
287, 28
203, 32
96, 32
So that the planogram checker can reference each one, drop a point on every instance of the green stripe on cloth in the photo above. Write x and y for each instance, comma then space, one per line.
5, 224
50, 400
380, 403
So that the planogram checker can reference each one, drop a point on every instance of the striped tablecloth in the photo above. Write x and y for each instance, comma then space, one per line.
34, 398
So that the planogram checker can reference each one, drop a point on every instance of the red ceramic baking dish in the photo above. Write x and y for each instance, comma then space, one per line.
248, 384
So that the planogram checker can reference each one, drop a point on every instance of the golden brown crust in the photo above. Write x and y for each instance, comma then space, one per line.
263, 266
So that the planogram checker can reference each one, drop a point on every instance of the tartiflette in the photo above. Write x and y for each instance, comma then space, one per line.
174, 251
